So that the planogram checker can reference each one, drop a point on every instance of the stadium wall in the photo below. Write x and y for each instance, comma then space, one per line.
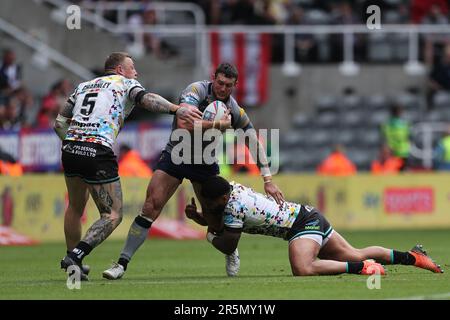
34, 205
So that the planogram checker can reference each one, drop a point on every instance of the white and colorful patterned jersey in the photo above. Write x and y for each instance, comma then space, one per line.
100, 107
256, 213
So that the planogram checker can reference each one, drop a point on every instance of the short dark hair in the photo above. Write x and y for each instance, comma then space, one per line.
228, 70
396, 110
114, 59
214, 187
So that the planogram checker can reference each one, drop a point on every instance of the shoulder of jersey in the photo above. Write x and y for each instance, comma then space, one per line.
130, 82
198, 84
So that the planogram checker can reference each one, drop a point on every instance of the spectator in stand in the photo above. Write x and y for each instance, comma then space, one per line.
396, 134
343, 14
131, 164
442, 153
12, 90
337, 164
435, 42
53, 102
10, 73
49, 108
25, 105
386, 162
9, 115
421, 8
153, 42
440, 74
306, 46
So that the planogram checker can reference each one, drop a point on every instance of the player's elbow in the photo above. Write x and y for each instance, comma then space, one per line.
60, 126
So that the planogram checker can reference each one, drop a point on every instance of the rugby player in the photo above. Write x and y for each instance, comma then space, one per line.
88, 124
168, 175
308, 232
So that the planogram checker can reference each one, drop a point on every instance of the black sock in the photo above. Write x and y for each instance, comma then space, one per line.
355, 267
80, 251
399, 257
143, 222
123, 262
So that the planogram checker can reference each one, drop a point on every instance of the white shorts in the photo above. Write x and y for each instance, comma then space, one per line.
316, 237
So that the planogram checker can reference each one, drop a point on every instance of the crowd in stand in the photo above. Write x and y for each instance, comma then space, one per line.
285, 12
20, 109
309, 48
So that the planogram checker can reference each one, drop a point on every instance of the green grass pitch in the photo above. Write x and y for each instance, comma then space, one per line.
178, 270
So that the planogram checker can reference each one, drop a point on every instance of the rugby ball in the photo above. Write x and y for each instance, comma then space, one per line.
214, 111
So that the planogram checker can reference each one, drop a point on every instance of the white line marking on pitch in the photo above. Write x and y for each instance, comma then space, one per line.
426, 297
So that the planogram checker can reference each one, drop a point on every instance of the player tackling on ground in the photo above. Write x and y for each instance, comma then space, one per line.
309, 234
168, 175
88, 125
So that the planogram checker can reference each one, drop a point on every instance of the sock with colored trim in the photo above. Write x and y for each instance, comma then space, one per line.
398, 257
354, 267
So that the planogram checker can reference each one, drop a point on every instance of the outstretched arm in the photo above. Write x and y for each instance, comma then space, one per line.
155, 103
152, 102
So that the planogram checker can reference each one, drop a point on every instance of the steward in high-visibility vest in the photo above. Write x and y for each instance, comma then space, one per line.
396, 132
442, 154
446, 145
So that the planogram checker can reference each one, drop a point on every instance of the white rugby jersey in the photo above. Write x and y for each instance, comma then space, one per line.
259, 214
100, 107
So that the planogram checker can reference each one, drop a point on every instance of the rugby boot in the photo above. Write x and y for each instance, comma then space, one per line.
423, 260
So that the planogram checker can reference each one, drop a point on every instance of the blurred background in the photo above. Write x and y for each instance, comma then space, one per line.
349, 99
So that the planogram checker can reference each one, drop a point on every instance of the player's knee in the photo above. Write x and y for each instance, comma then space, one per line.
303, 270
152, 208
118, 217
115, 217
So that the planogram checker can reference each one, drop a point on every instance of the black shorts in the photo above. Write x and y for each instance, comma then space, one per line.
309, 222
192, 172
93, 162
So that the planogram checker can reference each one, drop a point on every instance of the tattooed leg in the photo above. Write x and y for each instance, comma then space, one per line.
108, 199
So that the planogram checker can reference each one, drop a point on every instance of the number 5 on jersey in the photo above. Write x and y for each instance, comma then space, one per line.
88, 102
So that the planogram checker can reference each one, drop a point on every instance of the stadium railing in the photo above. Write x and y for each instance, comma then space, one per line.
94, 14
425, 133
200, 31
45, 52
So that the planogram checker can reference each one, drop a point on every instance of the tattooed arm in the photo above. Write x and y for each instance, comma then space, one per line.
155, 103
